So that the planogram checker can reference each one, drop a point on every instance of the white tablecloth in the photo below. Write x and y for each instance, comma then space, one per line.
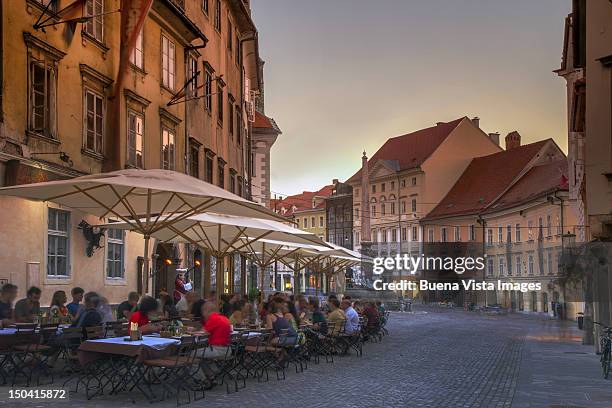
157, 343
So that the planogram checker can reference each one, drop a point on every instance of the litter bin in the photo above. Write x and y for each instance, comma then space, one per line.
580, 319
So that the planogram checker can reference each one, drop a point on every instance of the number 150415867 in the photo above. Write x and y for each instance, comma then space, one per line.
37, 394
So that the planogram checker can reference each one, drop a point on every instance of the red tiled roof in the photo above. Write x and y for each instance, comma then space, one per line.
264, 122
539, 180
302, 201
412, 149
484, 180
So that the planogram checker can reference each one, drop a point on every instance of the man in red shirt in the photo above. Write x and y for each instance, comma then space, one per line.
141, 316
218, 329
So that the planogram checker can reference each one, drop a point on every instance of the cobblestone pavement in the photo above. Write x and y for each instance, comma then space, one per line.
432, 358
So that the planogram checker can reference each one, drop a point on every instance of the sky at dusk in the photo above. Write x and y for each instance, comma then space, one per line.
342, 76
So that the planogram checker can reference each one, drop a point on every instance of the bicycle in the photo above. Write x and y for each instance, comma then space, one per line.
605, 341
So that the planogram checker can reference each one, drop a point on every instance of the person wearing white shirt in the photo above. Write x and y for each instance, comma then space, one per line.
352, 318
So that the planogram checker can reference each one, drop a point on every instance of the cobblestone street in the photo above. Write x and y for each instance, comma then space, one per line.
433, 358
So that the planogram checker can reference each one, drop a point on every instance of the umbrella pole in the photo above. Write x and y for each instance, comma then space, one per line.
145, 273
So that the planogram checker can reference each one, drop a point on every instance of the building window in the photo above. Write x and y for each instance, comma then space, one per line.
305, 222
356, 213
43, 98
238, 50
403, 207
472, 233
230, 116
382, 209
230, 36
404, 234
490, 267
548, 226
550, 262
238, 126
382, 188
517, 266
540, 228
530, 230
232, 181
457, 234
239, 183
415, 234
414, 181
192, 71
500, 234
168, 149
321, 221
221, 172
392, 208
115, 254
509, 233
394, 235
430, 234
490, 236
374, 211
58, 243
135, 140
208, 90
194, 160
392, 185
208, 167
205, 7
517, 233
137, 56
443, 238
218, 15
94, 26
220, 102
168, 58
94, 121
501, 266
312, 222
530, 265
414, 205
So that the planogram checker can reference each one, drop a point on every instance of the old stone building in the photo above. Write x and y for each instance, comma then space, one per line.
514, 203
187, 104
404, 179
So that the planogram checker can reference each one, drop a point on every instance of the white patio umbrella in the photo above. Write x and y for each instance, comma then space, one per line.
222, 234
149, 200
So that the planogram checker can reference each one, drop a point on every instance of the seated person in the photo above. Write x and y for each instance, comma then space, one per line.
147, 307
26, 309
8, 294
236, 317
90, 316
278, 323
318, 318
58, 304
186, 303
352, 318
75, 306
127, 307
336, 316
218, 329
371, 312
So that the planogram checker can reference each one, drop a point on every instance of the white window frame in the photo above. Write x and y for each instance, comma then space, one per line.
140, 116
60, 235
517, 233
518, 266
166, 135
98, 134
95, 8
112, 242
137, 55
168, 62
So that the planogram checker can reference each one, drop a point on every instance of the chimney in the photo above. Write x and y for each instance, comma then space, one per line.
494, 137
476, 121
365, 199
513, 140
335, 181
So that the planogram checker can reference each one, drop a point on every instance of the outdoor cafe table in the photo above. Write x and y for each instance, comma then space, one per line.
147, 348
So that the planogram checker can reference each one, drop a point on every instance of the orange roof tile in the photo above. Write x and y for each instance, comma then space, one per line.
484, 180
412, 149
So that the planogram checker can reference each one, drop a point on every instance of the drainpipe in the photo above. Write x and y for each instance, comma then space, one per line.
483, 223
